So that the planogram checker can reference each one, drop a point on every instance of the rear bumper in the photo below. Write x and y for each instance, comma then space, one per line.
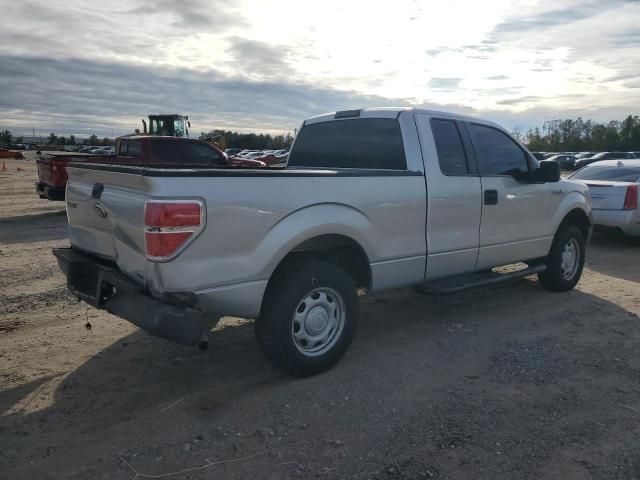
103, 286
628, 221
49, 192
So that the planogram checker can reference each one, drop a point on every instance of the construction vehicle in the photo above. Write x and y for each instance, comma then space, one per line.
175, 125
167, 125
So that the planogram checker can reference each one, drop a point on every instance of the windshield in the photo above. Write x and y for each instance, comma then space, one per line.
614, 174
160, 126
179, 127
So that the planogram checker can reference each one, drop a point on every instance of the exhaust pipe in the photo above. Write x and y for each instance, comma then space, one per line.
203, 343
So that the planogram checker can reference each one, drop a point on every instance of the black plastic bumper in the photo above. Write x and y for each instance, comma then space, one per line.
103, 286
51, 193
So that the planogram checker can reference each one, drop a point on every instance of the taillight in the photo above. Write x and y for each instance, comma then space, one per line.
58, 172
170, 226
631, 198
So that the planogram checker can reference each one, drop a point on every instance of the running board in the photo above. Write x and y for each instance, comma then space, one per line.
467, 281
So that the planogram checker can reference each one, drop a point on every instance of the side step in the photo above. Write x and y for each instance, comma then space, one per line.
467, 281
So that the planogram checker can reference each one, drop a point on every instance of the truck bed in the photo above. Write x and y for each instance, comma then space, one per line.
254, 217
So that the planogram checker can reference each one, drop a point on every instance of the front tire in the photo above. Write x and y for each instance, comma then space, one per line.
565, 261
308, 317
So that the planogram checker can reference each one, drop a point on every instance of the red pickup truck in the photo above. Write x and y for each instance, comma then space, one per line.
136, 150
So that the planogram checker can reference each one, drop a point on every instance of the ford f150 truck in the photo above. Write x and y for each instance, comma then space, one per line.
370, 199
135, 150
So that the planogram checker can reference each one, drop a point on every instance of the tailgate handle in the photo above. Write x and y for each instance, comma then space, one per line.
96, 191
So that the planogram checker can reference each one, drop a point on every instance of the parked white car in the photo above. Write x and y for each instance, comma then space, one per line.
615, 190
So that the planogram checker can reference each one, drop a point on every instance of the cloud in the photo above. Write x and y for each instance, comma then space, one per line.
259, 59
96, 96
443, 83
194, 14
238, 64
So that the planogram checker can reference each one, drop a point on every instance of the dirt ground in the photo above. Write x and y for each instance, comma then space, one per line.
511, 382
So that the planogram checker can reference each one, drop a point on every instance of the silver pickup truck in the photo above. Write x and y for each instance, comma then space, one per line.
370, 199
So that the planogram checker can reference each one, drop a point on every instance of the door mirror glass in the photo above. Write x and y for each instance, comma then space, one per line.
549, 171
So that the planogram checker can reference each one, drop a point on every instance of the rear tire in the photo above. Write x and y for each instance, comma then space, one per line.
565, 260
308, 317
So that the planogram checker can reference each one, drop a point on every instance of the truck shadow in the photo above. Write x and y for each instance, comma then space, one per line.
39, 227
423, 345
615, 250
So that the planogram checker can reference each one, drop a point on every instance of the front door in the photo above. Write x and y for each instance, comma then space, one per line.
516, 219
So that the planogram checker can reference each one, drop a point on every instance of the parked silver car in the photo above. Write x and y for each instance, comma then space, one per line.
614, 187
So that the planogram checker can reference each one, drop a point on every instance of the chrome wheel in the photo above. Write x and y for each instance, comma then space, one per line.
570, 259
318, 321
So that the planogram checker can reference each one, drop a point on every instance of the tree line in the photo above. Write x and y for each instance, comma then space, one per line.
250, 141
7, 138
578, 135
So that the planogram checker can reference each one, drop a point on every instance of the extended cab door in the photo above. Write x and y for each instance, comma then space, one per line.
516, 219
453, 192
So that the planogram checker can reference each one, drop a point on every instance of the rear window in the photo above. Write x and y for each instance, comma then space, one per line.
614, 174
355, 143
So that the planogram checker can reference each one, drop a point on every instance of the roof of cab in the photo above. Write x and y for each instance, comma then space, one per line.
159, 138
394, 112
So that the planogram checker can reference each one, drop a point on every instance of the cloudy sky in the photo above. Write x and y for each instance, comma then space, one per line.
98, 66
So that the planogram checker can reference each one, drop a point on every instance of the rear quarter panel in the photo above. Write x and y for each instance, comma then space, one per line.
253, 222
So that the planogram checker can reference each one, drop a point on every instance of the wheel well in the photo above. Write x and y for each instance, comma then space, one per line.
340, 250
578, 218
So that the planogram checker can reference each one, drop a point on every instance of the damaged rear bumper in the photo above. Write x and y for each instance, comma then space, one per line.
102, 285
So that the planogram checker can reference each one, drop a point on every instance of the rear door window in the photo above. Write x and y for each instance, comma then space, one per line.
497, 154
367, 143
451, 154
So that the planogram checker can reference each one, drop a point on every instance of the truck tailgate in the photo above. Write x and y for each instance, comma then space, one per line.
106, 217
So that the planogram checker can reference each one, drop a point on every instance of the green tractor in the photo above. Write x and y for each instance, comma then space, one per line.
170, 125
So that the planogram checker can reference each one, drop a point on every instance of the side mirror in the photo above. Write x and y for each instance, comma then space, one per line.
549, 171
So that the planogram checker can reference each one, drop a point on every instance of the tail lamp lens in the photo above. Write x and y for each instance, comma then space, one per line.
170, 225
631, 198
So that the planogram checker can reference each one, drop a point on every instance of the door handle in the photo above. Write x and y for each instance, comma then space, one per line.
490, 197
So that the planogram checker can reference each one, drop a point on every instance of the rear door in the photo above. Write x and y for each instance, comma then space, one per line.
454, 201
516, 213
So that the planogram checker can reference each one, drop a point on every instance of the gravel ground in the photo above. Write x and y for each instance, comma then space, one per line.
510, 382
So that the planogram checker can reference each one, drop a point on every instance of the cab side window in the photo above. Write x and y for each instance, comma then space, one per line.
201, 153
451, 154
130, 148
497, 154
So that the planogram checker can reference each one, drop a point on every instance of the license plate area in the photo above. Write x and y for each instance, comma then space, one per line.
84, 280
